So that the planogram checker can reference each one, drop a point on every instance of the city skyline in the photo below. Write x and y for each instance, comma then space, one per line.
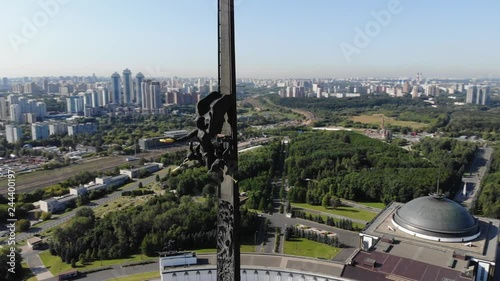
327, 39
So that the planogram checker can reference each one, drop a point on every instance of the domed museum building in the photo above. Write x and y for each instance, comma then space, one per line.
427, 238
436, 218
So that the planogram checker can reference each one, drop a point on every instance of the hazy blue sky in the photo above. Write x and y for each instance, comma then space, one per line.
275, 38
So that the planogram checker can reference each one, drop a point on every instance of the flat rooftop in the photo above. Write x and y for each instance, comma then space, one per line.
34, 240
96, 186
324, 267
392, 267
67, 198
484, 247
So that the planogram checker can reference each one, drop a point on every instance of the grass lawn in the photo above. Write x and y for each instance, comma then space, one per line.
204, 251
376, 119
357, 225
379, 205
307, 248
200, 199
138, 277
120, 203
247, 249
55, 265
345, 211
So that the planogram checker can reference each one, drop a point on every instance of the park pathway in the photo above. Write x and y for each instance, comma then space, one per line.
35, 264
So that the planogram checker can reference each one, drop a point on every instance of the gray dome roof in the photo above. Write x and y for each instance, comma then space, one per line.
438, 217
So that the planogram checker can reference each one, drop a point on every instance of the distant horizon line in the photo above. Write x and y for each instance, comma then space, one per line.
265, 78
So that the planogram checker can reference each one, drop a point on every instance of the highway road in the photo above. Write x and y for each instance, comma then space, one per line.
309, 116
474, 175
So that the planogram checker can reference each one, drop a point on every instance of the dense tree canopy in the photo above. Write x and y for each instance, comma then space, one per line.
353, 166
6, 268
474, 122
489, 203
257, 170
146, 228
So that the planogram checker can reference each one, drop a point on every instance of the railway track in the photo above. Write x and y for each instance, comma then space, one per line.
28, 182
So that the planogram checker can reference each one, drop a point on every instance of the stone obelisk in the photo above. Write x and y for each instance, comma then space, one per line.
228, 220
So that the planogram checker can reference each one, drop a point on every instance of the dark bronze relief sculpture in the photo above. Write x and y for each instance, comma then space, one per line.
213, 149
217, 147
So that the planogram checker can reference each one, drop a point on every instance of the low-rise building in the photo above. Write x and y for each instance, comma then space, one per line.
66, 200
157, 142
112, 181
78, 190
136, 172
35, 242
57, 204
49, 205
176, 134
96, 187
82, 190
